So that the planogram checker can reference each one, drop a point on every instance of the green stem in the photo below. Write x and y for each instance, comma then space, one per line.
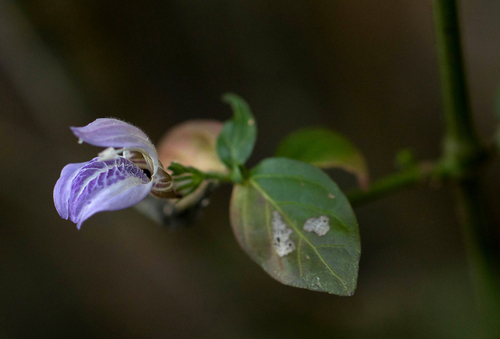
483, 253
462, 155
393, 183
217, 176
460, 136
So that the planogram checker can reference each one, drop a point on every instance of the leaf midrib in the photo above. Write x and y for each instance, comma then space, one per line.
232, 149
235, 141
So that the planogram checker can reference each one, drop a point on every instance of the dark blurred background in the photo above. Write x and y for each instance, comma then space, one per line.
364, 68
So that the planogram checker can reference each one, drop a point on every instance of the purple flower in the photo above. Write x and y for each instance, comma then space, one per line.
121, 176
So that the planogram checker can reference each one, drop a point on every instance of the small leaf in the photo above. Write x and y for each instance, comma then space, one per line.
237, 138
325, 149
294, 221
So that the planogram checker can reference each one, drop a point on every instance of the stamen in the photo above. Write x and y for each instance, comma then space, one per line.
108, 154
144, 162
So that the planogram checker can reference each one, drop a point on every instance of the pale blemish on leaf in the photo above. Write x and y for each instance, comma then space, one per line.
281, 236
331, 196
318, 225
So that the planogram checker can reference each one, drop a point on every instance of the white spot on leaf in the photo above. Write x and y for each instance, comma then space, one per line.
281, 236
331, 196
317, 225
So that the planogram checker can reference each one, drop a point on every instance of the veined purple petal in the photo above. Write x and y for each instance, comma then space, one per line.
101, 186
62, 188
116, 133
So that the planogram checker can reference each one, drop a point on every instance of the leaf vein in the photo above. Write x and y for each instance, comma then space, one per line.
299, 251
330, 245
245, 217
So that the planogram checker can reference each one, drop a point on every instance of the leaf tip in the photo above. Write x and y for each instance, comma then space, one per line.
230, 98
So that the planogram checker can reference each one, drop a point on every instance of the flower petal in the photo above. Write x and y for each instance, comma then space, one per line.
106, 132
62, 188
106, 186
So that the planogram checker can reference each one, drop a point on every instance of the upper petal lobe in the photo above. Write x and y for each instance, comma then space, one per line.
106, 132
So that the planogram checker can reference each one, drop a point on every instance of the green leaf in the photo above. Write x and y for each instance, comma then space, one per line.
237, 138
325, 149
295, 192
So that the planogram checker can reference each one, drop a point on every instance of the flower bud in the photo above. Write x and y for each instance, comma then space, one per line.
192, 143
